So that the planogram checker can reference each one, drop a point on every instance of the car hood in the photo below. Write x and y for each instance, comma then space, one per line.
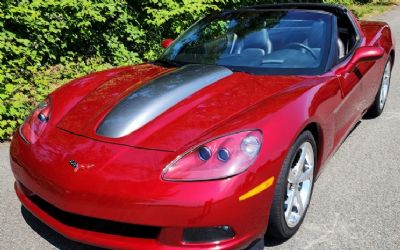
167, 108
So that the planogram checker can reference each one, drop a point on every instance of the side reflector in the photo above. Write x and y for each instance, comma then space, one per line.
258, 189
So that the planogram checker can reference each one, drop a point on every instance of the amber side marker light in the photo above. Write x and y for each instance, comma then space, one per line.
258, 189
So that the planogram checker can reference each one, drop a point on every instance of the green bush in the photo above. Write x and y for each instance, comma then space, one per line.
45, 43
38, 36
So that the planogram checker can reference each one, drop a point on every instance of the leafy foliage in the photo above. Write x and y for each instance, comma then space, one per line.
45, 43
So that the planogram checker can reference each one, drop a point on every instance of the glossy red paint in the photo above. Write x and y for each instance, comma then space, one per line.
36, 122
364, 54
167, 42
170, 131
120, 179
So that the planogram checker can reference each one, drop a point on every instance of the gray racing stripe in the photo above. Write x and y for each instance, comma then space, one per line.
160, 94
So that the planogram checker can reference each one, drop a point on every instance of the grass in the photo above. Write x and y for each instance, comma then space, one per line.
364, 11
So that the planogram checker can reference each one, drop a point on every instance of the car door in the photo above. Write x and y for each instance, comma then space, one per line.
352, 106
352, 87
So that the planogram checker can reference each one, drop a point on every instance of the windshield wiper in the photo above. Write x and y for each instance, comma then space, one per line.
167, 63
241, 70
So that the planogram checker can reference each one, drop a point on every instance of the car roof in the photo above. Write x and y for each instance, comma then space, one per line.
335, 9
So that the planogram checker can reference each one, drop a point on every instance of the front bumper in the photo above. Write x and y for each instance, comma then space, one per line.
84, 236
164, 209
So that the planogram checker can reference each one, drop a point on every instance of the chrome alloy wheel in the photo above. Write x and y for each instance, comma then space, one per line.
385, 85
299, 187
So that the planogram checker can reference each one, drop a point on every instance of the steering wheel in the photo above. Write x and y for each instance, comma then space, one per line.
303, 46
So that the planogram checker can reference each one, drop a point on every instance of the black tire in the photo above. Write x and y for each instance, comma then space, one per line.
376, 108
278, 227
256, 245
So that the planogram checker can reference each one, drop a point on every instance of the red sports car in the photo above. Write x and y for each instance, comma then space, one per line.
212, 145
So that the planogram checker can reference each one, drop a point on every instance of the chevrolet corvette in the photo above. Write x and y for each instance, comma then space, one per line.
215, 145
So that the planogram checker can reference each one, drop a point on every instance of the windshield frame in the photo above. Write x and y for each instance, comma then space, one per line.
326, 54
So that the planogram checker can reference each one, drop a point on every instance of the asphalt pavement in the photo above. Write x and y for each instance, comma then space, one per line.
355, 205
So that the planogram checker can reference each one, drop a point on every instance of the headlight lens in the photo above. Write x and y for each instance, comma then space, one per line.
216, 159
36, 122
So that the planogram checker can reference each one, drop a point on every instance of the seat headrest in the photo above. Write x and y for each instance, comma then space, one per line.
258, 39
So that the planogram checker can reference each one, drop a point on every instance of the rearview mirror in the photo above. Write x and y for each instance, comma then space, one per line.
167, 42
364, 54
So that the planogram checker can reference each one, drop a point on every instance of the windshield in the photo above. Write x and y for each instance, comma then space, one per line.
259, 42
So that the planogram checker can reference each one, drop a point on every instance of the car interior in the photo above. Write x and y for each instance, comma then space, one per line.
347, 37
302, 37
291, 44
288, 43
277, 47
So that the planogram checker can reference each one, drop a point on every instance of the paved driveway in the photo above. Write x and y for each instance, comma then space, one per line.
356, 202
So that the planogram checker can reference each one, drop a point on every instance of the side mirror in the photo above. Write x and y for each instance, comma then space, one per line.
167, 42
364, 54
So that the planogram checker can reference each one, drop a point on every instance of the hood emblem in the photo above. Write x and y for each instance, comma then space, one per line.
77, 166
73, 163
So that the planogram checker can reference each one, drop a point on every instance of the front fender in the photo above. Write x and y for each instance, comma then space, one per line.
283, 117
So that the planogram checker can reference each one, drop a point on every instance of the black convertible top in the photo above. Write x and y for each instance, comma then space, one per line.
336, 9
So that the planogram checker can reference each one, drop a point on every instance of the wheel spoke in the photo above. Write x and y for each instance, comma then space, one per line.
384, 92
302, 159
306, 175
292, 176
300, 205
290, 201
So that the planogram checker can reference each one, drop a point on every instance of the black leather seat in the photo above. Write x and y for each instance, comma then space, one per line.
256, 40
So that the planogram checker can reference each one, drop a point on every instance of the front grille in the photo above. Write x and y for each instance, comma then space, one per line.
96, 225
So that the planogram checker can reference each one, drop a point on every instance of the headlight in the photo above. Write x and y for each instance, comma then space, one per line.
216, 159
36, 122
